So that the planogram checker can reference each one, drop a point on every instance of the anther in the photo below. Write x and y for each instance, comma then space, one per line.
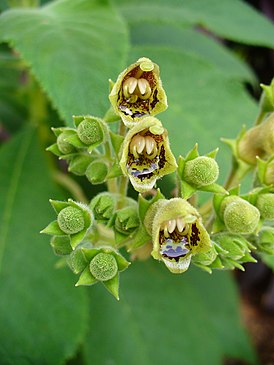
180, 224
137, 144
150, 144
171, 225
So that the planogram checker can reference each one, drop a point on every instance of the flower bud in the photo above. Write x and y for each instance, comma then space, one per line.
201, 171
90, 131
64, 146
61, 245
78, 165
265, 242
127, 220
177, 233
71, 220
97, 172
239, 215
146, 155
234, 246
257, 141
265, 204
138, 92
103, 206
103, 266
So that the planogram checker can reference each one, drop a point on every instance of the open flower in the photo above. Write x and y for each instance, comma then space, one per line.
146, 155
177, 233
138, 92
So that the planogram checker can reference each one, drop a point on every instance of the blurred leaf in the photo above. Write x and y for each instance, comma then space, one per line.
204, 104
42, 315
193, 42
231, 19
66, 45
166, 319
268, 260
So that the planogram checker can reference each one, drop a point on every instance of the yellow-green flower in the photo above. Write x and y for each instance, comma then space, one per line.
146, 155
177, 233
138, 92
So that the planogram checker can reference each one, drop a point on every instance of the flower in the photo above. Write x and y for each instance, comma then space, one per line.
138, 92
177, 233
146, 155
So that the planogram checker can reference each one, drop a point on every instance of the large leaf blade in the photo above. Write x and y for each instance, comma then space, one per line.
42, 316
67, 47
167, 319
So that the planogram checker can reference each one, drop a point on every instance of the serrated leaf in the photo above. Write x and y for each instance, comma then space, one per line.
231, 19
159, 311
73, 63
36, 300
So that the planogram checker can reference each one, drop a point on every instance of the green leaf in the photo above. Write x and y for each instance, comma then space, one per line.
193, 42
42, 316
231, 19
166, 319
204, 104
74, 60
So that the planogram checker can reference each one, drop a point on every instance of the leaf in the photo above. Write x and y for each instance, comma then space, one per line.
65, 44
204, 105
231, 19
193, 42
42, 316
166, 319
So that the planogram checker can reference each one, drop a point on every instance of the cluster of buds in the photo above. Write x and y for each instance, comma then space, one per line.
173, 231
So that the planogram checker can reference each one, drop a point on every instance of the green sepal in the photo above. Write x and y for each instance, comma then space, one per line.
217, 264
53, 229
89, 253
77, 261
54, 149
61, 245
116, 141
58, 205
203, 267
214, 188
261, 168
265, 240
86, 278
77, 119
267, 97
114, 171
144, 204
103, 206
120, 238
78, 165
75, 141
140, 238
213, 153
77, 238
192, 153
187, 190
112, 286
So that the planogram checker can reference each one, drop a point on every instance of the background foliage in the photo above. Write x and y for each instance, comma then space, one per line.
55, 62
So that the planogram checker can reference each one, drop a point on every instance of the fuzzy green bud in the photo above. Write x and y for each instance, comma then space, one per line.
240, 216
103, 266
265, 204
103, 206
71, 220
64, 146
90, 131
265, 241
78, 165
201, 171
97, 172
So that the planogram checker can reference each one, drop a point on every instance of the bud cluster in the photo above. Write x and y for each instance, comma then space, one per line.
131, 145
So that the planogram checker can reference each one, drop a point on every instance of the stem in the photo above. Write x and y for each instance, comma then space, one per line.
123, 180
260, 117
72, 186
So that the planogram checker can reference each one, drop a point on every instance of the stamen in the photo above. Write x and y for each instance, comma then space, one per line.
137, 143
150, 144
143, 85
180, 224
132, 83
171, 225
